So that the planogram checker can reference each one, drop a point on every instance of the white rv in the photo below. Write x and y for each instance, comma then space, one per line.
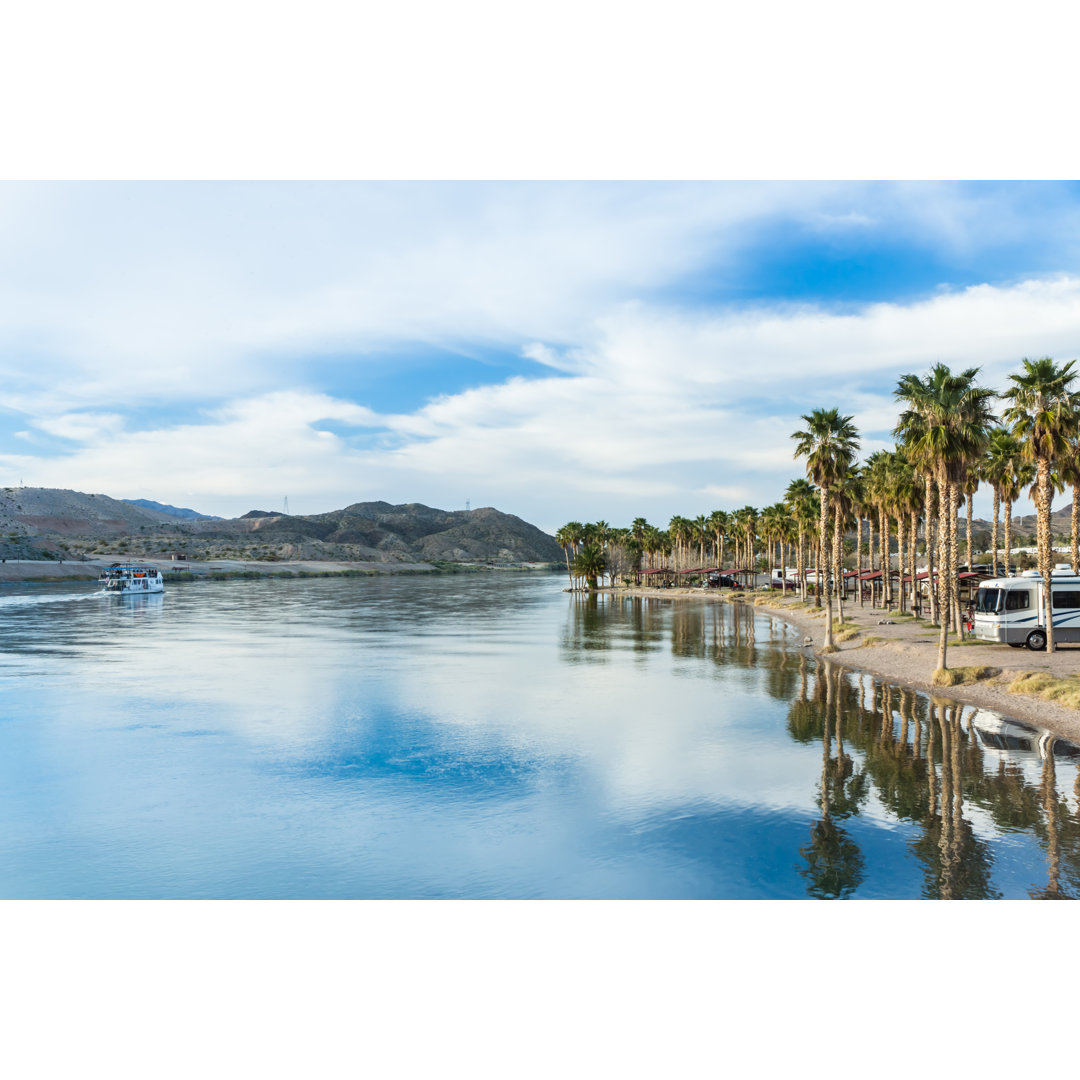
1013, 610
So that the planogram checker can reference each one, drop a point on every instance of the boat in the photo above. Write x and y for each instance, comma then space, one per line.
132, 580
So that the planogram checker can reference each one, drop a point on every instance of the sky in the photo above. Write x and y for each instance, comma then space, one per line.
559, 350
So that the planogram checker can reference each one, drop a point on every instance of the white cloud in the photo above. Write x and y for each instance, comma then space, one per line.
644, 406
664, 412
193, 290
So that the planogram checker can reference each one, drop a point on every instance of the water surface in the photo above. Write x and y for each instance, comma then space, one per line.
491, 736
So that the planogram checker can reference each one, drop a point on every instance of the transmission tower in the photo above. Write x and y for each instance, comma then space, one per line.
286, 505
468, 506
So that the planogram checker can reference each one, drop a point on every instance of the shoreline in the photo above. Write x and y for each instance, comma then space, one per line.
16, 571
903, 655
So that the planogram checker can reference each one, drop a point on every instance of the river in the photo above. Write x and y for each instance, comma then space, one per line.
488, 735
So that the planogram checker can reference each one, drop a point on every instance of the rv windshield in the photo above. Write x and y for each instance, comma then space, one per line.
988, 601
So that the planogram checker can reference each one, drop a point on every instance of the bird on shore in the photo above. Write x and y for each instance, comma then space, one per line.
807, 641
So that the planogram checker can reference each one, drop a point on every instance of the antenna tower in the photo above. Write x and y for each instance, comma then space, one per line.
286, 505
468, 506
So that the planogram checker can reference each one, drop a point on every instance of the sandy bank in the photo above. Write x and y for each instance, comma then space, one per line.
907, 655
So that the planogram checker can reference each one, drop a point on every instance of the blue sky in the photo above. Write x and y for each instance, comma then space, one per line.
558, 350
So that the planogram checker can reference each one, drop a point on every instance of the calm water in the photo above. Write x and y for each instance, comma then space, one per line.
491, 736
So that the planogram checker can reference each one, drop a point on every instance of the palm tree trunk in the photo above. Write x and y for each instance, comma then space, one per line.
970, 511
994, 536
943, 574
858, 556
900, 554
838, 563
913, 541
954, 592
870, 551
883, 530
1008, 535
1076, 529
823, 529
931, 584
1046, 561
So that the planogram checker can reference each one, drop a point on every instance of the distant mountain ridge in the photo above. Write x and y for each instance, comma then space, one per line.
72, 524
172, 511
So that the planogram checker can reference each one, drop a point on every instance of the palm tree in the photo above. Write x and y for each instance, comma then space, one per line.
565, 540
701, 531
589, 563
1043, 416
800, 498
718, 525
1069, 470
970, 486
876, 493
679, 531
898, 491
773, 520
945, 428
999, 470
844, 496
829, 444
745, 521
569, 538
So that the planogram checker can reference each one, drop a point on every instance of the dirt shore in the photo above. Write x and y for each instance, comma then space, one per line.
904, 651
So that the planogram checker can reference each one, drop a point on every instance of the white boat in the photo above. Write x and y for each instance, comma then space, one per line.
132, 580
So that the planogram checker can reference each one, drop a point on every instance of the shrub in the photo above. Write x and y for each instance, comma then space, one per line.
964, 676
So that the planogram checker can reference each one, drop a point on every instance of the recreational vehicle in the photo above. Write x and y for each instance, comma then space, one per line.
1013, 610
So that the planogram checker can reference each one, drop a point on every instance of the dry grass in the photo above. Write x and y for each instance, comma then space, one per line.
844, 631
872, 639
1040, 684
964, 676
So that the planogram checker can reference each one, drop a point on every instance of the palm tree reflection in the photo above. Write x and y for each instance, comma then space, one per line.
929, 763
834, 863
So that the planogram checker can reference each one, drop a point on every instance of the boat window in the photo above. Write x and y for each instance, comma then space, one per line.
1017, 600
988, 601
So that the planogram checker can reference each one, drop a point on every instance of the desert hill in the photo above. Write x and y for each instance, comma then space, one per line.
52, 523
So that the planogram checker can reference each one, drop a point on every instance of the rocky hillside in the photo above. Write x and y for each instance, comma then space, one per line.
45, 522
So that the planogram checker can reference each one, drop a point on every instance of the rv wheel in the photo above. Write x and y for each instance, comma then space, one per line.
1036, 640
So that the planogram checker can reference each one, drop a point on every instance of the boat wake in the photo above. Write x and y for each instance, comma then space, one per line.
62, 598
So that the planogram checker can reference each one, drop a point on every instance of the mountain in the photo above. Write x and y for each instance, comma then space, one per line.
34, 521
172, 511
382, 532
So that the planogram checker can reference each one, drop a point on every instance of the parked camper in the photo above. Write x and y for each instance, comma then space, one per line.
1013, 610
